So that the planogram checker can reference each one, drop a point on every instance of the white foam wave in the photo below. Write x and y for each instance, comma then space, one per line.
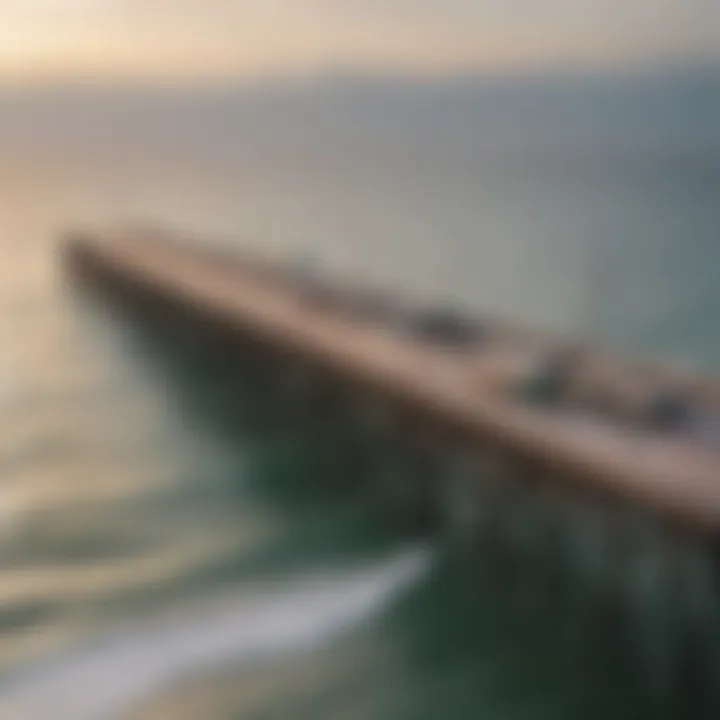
107, 680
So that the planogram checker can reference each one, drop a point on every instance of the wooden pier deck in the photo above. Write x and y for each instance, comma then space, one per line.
674, 478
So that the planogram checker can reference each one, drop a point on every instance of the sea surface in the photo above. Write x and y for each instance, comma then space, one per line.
170, 550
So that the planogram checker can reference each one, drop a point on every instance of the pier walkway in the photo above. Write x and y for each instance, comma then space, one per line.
458, 390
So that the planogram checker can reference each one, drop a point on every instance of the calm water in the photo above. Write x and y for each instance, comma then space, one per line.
167, 549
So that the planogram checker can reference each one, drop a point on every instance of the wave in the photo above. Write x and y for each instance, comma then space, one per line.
109, 678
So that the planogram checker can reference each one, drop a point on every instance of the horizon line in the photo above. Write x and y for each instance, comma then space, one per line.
367, 74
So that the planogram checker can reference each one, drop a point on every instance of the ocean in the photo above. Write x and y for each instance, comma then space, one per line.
169, 548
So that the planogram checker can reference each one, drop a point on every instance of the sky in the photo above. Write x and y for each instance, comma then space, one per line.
170, 40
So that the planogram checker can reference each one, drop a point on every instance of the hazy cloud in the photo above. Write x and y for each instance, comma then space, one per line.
245, 37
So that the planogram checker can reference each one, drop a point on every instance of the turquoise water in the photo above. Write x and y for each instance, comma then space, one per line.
171, 545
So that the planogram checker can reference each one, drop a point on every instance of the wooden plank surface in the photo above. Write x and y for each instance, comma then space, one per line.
676, 478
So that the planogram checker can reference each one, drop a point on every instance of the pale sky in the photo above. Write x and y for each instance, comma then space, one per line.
175, 39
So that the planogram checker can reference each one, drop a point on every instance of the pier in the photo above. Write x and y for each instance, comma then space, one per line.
635, 510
